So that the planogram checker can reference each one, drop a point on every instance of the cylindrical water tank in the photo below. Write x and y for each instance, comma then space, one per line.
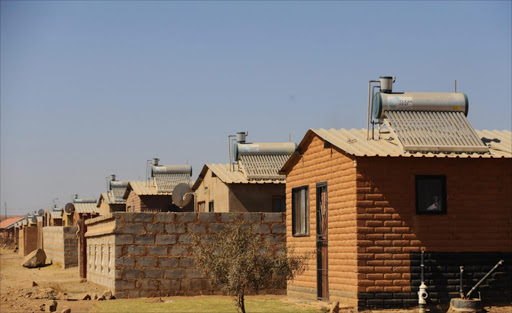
264, 148
419, 101
78, 200
119, 184
171, 169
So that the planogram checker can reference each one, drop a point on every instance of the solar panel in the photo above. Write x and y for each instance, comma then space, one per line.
434, 131
167, 182
263, 166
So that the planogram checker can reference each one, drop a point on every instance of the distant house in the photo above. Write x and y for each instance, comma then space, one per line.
155, 195
7, 227
54, 217
250, 184
112, 200
79, 209
368, 202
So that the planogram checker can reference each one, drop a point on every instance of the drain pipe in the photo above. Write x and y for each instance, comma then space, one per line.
422, 293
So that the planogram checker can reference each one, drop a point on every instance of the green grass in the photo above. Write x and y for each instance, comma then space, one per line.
209, 304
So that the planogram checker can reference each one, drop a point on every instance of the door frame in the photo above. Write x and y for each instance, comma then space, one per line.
322, 244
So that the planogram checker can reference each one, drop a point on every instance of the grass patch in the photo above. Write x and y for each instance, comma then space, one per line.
213, 304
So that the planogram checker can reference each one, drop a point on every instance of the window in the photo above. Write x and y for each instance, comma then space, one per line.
200, 207
210, 207
430, 194
300, 211
278, 204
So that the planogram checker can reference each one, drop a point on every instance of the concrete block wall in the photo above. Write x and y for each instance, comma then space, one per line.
150, 254
61, 245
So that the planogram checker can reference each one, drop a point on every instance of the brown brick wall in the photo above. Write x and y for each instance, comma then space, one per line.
319, 164
478, 219
61, 245
28, 240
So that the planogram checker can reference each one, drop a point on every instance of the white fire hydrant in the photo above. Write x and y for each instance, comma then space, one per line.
422, 297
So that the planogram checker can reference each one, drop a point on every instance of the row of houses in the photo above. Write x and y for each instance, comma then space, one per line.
369, 203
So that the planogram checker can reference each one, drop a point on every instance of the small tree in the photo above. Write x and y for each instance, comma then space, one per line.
238, 260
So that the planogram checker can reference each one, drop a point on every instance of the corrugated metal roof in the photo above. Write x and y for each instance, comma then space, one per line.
354, 142
167, 182
56, 214
85, 207
263, 166
431, 131
8, 223
231, 177
143, 188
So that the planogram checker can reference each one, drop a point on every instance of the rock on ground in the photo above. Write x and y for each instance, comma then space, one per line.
51, 306
35, 258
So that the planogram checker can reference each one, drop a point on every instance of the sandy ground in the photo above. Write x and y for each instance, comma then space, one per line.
17, 293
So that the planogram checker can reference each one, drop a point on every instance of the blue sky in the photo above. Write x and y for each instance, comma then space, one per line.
92, 88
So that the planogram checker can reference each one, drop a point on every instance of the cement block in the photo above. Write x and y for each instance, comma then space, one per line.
207, 217
131, 273
133, 293
165, 239
124, 239
157, 250
165, 217
174, 229
136, 250
252, 217
261, 229
185, 239
154, 228
175, 273
197, 228
144, 239
179, 250
134, 228
186, 217
153, 273
125, 261
216, 228
143, 217
278, 229
146, 262
194, 273
272, 217
169, 284
128, 217
186, 262
169, 262
229, 217
125, 284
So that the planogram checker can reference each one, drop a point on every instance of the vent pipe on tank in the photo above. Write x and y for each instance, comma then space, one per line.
386, 84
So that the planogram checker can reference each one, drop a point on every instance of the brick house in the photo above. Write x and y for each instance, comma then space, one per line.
54, 217
80, 209
144, 197
250, 184
155, 194
370, 206
112, 200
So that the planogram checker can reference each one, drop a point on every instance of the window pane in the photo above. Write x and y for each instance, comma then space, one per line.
430, 194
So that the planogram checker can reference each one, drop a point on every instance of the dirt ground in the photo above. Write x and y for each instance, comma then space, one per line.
17, 293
